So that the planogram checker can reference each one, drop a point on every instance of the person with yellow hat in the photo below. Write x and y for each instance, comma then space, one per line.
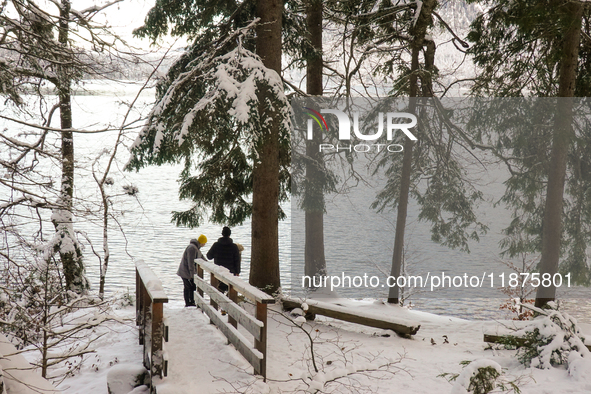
188, 268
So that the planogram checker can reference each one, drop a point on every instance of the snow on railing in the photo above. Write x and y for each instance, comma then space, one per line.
255, 354
150, 297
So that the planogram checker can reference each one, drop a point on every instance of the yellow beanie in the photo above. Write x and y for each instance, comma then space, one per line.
202, 239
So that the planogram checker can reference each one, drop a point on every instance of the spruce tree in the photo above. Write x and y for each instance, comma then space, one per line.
431, 170
534, 49
315, 260
222, 111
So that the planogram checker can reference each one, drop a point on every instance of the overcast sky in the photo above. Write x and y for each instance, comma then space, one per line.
124, 17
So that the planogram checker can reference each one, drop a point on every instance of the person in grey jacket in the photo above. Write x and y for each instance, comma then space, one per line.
188, 269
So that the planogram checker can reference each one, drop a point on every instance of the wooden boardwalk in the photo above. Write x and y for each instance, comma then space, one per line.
198, 354
181, 345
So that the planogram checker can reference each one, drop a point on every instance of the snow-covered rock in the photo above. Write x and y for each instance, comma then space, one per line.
140, 390
125, 378
579, 367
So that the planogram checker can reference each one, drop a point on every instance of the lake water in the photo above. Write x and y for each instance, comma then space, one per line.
144, 230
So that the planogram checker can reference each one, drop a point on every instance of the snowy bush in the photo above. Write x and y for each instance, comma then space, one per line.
477, 377
550, 339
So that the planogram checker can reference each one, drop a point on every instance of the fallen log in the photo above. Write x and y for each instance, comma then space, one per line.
510, 340
400, 326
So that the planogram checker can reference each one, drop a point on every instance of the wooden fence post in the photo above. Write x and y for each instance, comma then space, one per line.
147, 331
233, 295
238, 317
261, 346
150, 299
137, 298
215, 283
200, 274
157, 334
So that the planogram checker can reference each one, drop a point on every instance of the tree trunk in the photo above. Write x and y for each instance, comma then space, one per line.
315, 261
107, 254
552, 222
70, 253
264, 265
419, 31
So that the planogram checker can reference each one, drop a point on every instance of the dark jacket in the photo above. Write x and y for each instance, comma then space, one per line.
187, 267
225, 253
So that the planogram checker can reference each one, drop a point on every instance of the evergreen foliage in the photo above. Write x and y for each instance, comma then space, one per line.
208, 116
550, 338
446, 195
392, 26
519, 47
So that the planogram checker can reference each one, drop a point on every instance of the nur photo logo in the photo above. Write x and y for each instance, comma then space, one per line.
394, 121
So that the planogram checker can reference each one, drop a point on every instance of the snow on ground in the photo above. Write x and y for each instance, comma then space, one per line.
119, 346
351, 358
200, 360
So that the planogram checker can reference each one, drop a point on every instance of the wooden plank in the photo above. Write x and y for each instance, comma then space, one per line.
137, 298
214, 285
253, 356
140, 316
233, 296
342, 313
505, 339
252, 293
252, 325
511, 340
200, 274
261, 345
147, 328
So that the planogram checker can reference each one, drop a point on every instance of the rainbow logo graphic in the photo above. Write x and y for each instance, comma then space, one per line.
318, 118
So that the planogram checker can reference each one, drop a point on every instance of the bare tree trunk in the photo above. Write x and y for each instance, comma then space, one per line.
264, 265
105, 265
45, 321
419, 31
315, 261
70, 254
552, 224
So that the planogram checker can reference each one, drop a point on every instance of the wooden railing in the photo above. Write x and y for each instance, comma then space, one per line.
256, 325
150, 297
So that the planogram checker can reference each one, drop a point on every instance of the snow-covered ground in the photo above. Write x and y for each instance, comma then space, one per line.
351, 358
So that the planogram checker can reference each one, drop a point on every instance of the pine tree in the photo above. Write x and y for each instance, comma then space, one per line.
431, 170
222, 110
535, 49
264, 268
315, 260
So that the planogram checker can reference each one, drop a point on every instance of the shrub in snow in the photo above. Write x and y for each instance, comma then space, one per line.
125, 378
550, 339
477, 377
